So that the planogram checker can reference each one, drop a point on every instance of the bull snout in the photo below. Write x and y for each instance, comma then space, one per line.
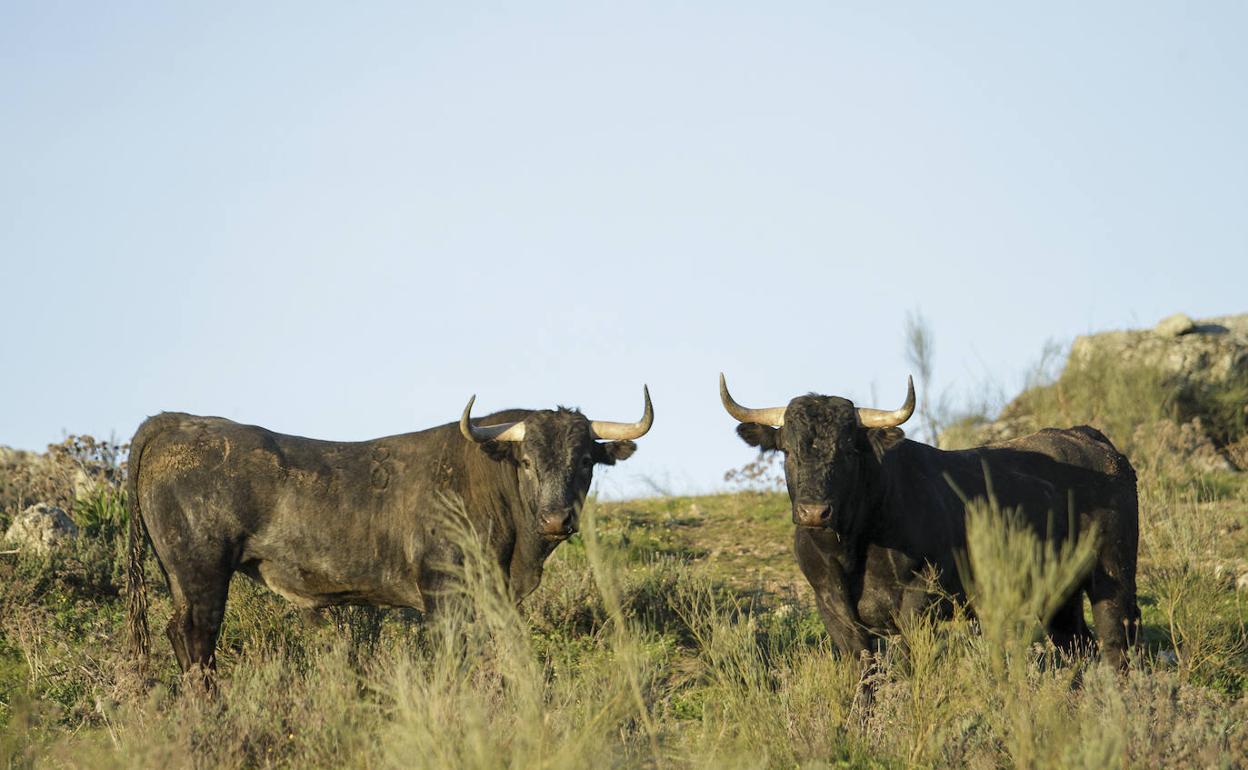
812, 514
558, 525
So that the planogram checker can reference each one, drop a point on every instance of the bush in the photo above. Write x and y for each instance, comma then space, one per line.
1100, 392
74, 468
1223, 409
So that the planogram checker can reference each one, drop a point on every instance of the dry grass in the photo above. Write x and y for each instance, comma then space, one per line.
673, 632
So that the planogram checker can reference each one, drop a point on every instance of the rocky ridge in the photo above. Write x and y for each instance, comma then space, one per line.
1197, 363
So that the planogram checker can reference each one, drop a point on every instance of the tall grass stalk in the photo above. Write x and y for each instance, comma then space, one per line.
1017, 581
625, 639
482, 699
1205, 624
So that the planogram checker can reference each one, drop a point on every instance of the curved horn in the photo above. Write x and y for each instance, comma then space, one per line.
879, 418
508, 431
773, 415
623, 431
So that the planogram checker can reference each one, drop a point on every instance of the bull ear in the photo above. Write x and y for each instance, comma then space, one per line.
764, 437
884, 439
611, 452
498, 450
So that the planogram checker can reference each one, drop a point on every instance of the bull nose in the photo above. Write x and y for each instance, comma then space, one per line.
812, 514
559, 523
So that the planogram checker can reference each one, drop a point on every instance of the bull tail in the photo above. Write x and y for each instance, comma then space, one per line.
136, 583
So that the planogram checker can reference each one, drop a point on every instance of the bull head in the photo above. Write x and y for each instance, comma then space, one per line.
826, 442
555, 453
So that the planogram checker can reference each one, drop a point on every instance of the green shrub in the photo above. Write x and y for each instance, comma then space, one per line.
1101, 392
1222, 409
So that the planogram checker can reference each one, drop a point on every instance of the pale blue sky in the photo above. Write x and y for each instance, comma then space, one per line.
340, 220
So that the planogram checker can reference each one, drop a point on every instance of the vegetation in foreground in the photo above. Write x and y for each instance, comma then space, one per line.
671, 632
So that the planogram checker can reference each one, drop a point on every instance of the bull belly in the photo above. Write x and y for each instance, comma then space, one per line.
311, 588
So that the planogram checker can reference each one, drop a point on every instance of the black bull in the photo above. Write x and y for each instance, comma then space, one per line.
325, 523
875, 512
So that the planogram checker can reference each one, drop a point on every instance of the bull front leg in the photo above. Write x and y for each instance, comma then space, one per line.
524, 580
826, 576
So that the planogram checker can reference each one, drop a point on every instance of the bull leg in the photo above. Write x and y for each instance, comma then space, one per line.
827, 578
1111, 588
199, 609
1115, 615
177, 631
848, 635
1068, 630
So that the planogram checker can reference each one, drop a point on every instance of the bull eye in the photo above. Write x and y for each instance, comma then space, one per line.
587, 462
526, 463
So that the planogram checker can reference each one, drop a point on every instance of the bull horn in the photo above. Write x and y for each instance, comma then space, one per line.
508, 431
879, 418
773, 415
625, 431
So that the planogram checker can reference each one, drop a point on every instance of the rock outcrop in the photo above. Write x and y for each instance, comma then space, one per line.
1199, 376
40, 529
56, 477
1192, 354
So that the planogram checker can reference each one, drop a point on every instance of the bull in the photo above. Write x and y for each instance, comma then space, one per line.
876, 513
330, 523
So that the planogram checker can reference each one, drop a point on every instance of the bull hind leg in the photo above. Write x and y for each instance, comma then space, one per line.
198, 611
1115, 615
1068, 630
1111, 586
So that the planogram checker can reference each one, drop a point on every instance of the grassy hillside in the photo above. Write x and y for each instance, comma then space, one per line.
671, 632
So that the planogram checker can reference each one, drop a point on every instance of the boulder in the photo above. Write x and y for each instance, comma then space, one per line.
1175, 325
48, 477
41, 528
